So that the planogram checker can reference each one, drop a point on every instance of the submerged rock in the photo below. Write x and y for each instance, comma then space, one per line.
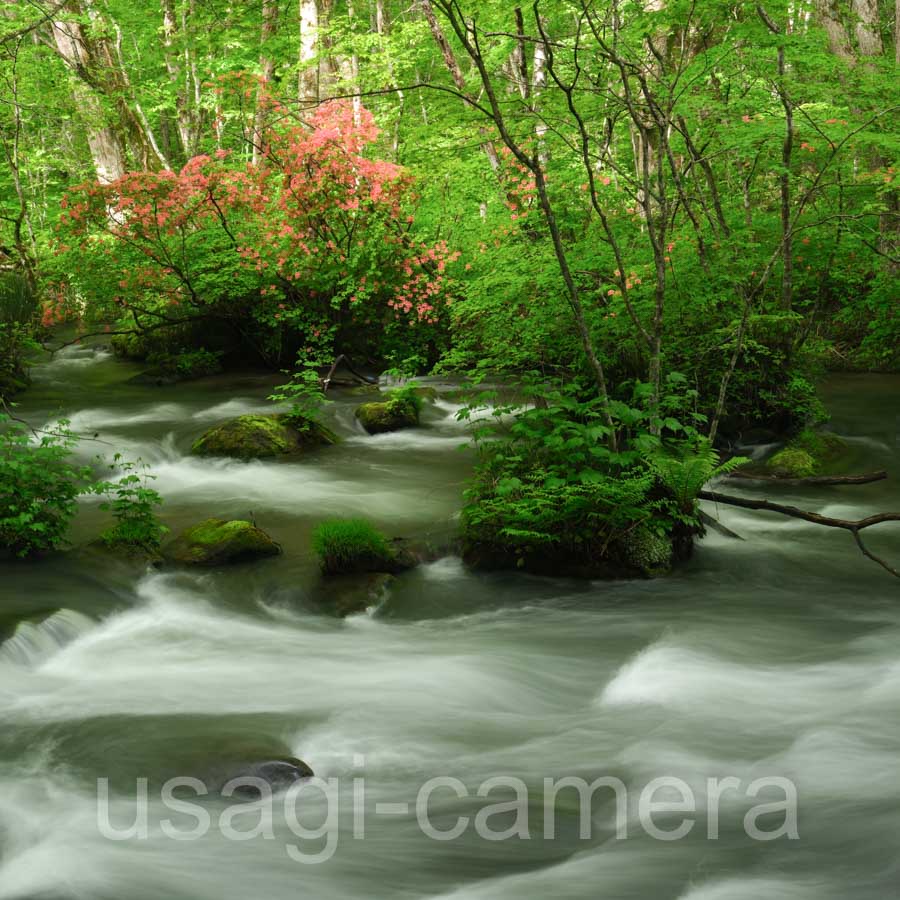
262, 436
280, 774
345, 595
389, 415
217, 542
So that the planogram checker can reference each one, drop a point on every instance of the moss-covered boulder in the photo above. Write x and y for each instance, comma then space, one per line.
262, 436
809, 453
649, 552
389, 415
792, 462
218, 542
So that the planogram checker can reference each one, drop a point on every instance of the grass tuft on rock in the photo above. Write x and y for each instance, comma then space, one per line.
352, 545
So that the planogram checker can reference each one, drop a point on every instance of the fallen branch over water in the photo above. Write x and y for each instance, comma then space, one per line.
851, 525
812, 480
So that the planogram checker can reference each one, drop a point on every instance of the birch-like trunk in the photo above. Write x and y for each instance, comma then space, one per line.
308, 84
266, 70
104, 141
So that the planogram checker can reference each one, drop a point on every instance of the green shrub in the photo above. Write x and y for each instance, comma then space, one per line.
18, 304
39, 487
188, 363
133, 505
350, 545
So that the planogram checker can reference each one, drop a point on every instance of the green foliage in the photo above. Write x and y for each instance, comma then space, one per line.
683, 475
409, 396
133, 504
188, 364
39, 487
346, 545
18, 304
554, 482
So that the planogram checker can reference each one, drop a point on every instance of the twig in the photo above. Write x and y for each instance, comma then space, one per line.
853, 526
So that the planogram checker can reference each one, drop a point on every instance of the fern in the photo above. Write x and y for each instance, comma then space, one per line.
684, 476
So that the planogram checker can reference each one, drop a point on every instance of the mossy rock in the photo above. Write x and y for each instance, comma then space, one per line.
426, 392
647, 551
390, 415
792, 462
261, 437
810, 453
823, 446
217, 542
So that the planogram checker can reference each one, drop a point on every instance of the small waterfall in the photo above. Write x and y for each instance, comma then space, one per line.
32, 643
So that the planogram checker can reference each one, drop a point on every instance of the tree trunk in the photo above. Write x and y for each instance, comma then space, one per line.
308, 86
181, 76
100, 71
105, 143
266, 70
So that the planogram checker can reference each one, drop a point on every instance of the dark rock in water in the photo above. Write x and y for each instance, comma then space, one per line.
261, 437
390, 415
280, 774
216, 542
156, 378
344, 595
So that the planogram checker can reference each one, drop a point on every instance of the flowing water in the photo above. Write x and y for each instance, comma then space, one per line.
772, 656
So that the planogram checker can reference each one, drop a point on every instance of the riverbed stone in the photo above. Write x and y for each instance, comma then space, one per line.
809, 453
346, 595
389, 415
280, 774
217, 542
262, 436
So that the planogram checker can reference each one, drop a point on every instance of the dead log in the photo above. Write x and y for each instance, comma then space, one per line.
851, 525
326, 381
812, 480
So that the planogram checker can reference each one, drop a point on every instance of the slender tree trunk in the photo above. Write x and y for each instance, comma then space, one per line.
308, 87
180, 75
267, 69
23, 232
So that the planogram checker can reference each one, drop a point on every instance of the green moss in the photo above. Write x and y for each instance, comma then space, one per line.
807, 455
824, 446
390, 415
648, 551
792, 462
216, 541
262, 436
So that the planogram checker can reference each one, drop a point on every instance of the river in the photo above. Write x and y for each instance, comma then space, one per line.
775, 656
